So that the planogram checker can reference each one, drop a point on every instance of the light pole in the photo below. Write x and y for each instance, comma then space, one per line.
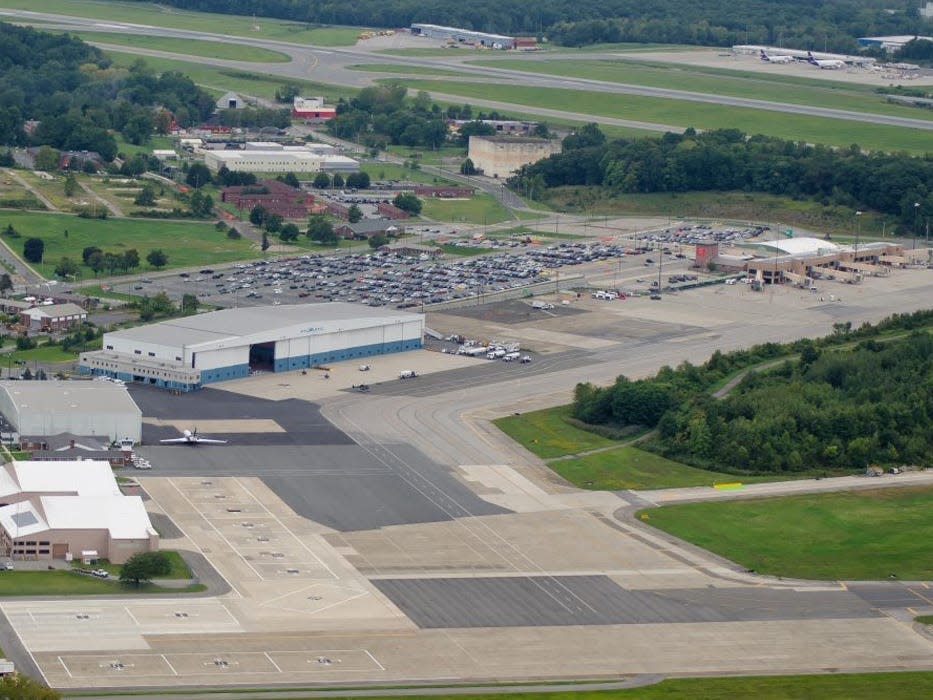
858, 232
916, 222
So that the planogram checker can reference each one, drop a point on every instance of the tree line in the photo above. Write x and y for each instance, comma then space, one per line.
78, 98
828, 25
824, 407
728, 159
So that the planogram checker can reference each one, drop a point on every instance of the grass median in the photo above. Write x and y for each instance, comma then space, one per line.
859, 535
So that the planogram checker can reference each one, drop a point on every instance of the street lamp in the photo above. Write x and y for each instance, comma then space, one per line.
858, 232
916, 222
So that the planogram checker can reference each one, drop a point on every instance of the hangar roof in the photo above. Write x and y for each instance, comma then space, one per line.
233, 324
125, 517
83, 397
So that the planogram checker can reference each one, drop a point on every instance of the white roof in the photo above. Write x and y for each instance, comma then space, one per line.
124, 516
800, 246
56, 310
22, 519
261, 323
84, 477
78, 396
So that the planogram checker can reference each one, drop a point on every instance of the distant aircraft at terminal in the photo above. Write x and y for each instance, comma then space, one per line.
829, 63
772, 58
189, 437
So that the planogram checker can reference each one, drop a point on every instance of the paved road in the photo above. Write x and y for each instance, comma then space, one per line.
330, 66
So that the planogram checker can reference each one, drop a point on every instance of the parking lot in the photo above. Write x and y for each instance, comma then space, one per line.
382, 278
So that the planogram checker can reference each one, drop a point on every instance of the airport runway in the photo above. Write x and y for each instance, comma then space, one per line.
330, 66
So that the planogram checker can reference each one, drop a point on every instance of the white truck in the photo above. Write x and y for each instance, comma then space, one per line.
407, 374
508, 357
543, 305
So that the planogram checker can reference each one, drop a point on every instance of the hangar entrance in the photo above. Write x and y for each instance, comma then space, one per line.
262, 357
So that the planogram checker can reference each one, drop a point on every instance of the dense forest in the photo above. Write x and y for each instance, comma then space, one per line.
823, 408
804, 24
726, 159
76, 96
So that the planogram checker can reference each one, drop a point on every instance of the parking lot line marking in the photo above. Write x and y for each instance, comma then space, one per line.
288, 530
381, 667
62, 662
272, 662
191, 539
229, 544
169, 664
132, 616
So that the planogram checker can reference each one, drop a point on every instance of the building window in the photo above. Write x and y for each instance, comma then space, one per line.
110, 347
151, 354
137, 352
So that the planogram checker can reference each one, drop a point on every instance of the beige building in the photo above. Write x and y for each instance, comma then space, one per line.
53, 510
502, 156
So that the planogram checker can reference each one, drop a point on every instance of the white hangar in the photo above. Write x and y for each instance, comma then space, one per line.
186, 353
102, 409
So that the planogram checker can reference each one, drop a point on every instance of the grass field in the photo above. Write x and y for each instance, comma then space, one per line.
192, 47
681, 113
831, 686
547, 434
859, 535
924, 619
478, 209
162, 16
627, 467
68, 583
737, 83
394, 171
179, 569
185, 243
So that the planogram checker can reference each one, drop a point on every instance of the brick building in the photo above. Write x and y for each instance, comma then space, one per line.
276, 196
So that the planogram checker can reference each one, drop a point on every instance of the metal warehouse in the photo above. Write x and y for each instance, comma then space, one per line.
103, 409
463, 36
185, 353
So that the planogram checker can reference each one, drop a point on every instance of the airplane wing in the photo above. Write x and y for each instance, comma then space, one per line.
174, 441
210, 441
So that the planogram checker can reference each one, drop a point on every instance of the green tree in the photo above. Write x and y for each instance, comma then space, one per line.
377, 240
130, 259
5, 282
198, 175
233, 234
146, 196
357, 181
292, 180
10, 232
264, 244
257, 215
157, 258
337, 181
289, 232
321, 230
71, 185
66, 268
201, 205
189, 304
33, 249
273, 223
145, 566
47, 159
467, 167
406, 201
321, 181
354, 214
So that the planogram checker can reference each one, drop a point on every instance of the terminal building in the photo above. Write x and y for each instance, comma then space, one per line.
270, 157
185, 353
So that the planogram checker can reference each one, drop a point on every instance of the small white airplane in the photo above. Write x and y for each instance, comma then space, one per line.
780, 58
825, 62
189, 437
